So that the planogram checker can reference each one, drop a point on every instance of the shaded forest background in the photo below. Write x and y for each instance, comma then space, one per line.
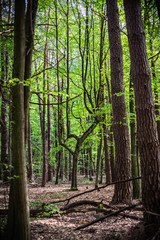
80, 83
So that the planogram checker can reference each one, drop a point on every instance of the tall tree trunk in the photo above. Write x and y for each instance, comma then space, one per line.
133, 134
49, 133
111, 148
30, 160
67, 92
146, 123
18, 215
44, 143
29, 27
4, 77
122, 192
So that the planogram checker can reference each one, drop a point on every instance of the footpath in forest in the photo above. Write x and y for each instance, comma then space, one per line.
58, 221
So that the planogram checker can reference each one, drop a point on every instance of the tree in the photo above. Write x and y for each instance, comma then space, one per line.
30, 21
4, 78
146, 124
18, 216
133, 136
122, 192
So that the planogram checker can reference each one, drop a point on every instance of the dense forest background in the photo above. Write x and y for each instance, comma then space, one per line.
80, 83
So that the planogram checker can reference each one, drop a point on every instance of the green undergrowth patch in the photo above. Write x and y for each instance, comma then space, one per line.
55, 195
44, 210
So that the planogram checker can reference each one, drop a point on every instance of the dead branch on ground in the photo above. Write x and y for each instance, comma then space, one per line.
107, 216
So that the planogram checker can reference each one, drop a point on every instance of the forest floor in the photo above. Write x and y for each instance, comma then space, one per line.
61, 225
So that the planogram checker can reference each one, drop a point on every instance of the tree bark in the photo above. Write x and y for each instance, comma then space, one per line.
18, 216
146, 123
122, 192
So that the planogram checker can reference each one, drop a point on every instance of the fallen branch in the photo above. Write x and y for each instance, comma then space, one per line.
95, 189
83, 202
107, 216
104, 211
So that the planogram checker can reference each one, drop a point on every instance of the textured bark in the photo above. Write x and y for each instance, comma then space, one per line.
18, 216
122, 192
146, 124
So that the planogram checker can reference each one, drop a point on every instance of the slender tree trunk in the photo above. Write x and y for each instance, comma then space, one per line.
146, 123
122, 192
134, 162
29, 27
58, 158
49, 134
44, 143
4, 77
30, 160
91, 172
18, 215
111, 148
106, 152
98, 159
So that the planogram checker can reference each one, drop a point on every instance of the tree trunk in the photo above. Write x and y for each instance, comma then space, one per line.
74, 171
18, 215
91, 172
149, 147
4, 76
30, 27
44, 143
30, 160
111, 153
134, 162
98, 159
122, 192
106, 154
49, 133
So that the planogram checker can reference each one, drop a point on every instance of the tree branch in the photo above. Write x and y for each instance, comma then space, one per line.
36, 74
